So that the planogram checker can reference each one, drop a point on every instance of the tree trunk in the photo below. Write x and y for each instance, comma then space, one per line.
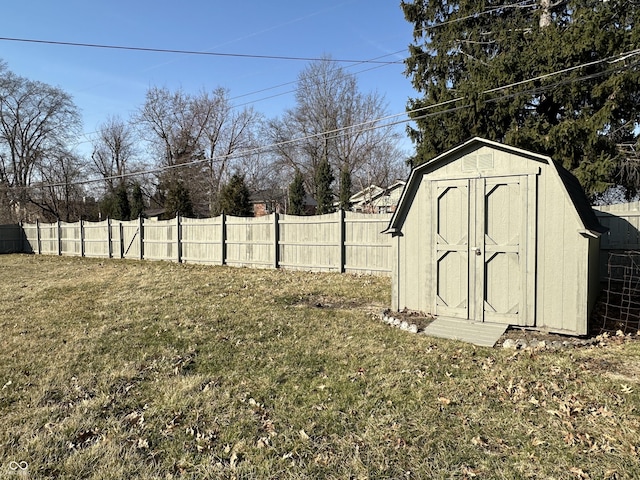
545, 16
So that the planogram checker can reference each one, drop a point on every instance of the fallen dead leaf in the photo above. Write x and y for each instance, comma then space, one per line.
479, 441
578, 472
536, 442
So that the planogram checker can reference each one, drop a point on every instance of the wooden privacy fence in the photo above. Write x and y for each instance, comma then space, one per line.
340, 242
623, 222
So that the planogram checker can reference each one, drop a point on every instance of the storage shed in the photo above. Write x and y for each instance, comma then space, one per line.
491, 234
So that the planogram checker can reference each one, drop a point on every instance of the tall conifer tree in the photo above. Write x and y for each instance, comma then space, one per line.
297, 195
235, 198
324, 194
137, 201
122, 207
345, 188
474, 63
178, 201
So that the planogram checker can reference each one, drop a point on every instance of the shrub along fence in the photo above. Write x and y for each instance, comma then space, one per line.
339, 242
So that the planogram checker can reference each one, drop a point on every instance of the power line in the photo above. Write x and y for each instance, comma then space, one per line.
369, 125
374, 124
293, 82
182, 52
521, 4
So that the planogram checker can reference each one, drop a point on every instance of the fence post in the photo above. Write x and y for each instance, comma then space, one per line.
223, 239
141, 232
109, 239
121, 240
38, 238
342, 253
82, 248
276, 240
179, 237
59, 234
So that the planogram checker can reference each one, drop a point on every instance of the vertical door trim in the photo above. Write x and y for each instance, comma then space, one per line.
440, 309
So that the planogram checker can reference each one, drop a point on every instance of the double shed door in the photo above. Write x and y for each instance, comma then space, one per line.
484, 248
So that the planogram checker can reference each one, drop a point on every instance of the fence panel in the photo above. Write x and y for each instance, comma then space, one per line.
70, 239
250, 241
161, 240
31, 233
202, 240
623, 222
367, 250
49, 238
96, 239
310, 243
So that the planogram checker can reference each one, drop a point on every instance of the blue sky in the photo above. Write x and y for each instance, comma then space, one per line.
114, 82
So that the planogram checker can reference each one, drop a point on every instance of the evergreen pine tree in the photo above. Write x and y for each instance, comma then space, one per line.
297, 195
137, 201
345, 188
178, 201
324, 194
107, 206
235, 198
571, 68
122, 209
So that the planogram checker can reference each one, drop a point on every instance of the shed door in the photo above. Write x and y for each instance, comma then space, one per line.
452, 248
483, 263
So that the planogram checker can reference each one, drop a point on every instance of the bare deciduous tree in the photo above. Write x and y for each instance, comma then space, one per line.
333, 120
58, 193
37, 122
229, 141
114, 152
195, 137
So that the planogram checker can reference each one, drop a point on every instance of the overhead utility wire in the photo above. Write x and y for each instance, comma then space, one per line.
290, 91
183, 52
371, 124
251, 102
612, 59
293, 82
522, 4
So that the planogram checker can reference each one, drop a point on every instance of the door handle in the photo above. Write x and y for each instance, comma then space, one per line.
477, 250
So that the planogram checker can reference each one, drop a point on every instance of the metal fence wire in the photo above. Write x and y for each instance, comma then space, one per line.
620, 301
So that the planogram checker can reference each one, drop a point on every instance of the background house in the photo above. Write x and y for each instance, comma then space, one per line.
375, 199
271, 201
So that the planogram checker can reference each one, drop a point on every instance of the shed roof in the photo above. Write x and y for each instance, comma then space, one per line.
588, 221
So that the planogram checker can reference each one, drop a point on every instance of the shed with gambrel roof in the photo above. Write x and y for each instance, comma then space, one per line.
488, 233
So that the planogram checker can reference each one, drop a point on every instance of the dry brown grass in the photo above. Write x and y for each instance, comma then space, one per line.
118, 369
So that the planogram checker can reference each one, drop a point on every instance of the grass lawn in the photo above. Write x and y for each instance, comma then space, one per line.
153, 370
